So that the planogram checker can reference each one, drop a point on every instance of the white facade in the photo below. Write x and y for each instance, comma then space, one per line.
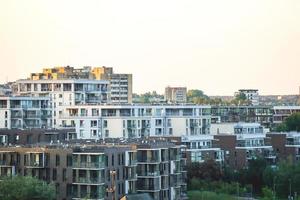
25, 112
251, 95
65, 92
130, 121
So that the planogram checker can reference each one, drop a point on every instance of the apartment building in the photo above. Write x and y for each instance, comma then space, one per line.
121, 88
248, 142
286, 145
35, 136
65, 92
24, 112
249, 114
101, 170
160, 171
120, 84
251, 95
202, 148
135, 121
176, 94
280, 113
47, 164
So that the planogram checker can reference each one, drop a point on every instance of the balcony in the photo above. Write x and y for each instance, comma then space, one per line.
293, 143
149, 173
88, 165
131, 126
89, 181
148, 187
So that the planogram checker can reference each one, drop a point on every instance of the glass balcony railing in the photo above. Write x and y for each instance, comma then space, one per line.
148, 173
88, 165
99, 180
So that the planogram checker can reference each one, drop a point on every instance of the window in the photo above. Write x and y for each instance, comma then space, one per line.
105, 124
81, 122
54, 174
81, 133
112, 160
69, 160
106, 133
64, 176
57, 160
94, 133
94, 123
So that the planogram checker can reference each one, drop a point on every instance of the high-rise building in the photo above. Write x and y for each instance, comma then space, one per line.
175, 94
119, 84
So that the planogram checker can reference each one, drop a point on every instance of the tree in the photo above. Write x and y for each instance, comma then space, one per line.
291, 123
208, 170
25, 188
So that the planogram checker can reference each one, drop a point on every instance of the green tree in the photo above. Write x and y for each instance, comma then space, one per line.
267, 194
291, 123
25, 188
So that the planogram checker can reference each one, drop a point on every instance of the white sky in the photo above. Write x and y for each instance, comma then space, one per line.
217, 46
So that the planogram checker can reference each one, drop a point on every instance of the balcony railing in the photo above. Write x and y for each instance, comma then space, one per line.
86, 180
148, 187
34, 164
149, 173
293, 143
88, 165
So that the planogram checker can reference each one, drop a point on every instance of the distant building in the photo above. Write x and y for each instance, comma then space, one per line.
176, 94
5, 90
120, 84
121, 88
251, 95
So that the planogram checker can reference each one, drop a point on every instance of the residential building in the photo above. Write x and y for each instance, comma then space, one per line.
286, 145
248, 142
251, 95
202, 148
176, 94
120, 85
22, 112
160, 171
65, 92
101, 170
280, 113
121, 88
135, 121
249, 114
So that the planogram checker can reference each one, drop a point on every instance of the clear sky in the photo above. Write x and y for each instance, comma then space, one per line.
217, 46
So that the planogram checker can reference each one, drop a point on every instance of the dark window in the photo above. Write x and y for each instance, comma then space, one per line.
54, 174
69, 160
57, 160
64, 176
118, 174
119, 159
69, 190
112, 160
